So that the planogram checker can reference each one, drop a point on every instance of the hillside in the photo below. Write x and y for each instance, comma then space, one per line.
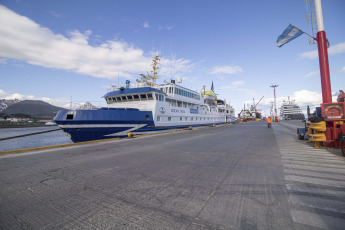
33, 108
4, 104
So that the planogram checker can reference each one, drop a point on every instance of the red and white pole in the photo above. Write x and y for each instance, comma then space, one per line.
323, 55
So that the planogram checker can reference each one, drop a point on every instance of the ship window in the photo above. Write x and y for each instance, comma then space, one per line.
169, 118
130, 97
143, 96
191, 118
118, 98
136, 97
159, 97
147, 117
149, 96
69, 117
180, 118
158, 118
124, 98
169, 89
185, 118
113, 99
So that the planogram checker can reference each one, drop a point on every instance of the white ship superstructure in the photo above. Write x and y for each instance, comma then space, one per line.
146, 106
291, 111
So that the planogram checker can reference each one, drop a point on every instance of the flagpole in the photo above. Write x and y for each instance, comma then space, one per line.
304, 32
323, 55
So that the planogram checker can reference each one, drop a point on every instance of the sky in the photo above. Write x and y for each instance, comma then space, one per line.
58, 51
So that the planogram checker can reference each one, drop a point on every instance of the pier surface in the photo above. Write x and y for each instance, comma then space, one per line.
243, 176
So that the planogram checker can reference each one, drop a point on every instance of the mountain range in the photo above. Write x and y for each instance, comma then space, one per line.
33, 108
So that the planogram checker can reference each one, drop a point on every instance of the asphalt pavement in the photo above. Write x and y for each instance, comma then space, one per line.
243, 176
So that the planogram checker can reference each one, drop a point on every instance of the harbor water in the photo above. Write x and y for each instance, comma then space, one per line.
33, 141
40, 140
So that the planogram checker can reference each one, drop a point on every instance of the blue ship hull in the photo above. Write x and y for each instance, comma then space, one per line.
104, 123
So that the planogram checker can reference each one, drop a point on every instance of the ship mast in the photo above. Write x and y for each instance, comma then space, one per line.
150, 79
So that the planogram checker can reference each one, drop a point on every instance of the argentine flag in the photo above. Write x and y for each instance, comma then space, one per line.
289, 34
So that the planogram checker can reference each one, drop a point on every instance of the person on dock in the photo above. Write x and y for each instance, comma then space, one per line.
269, 121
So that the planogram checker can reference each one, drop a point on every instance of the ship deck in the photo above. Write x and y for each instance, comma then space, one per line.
243, 176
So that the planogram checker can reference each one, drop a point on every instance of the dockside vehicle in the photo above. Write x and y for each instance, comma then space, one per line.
326, 125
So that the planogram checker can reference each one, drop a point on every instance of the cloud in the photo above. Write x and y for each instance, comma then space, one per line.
54, 14
227, 69
303, 98
174, 66
232, 85
3, 61
312, 74
166, 27
332, 50
146, 25
25, 40
11, 96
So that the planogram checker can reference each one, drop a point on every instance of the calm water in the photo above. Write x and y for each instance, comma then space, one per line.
39, 140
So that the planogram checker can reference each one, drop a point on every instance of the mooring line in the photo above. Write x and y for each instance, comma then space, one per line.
29, 134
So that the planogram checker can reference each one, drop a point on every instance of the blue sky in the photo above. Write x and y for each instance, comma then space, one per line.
55, 50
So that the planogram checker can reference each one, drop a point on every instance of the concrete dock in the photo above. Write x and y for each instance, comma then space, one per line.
243, 176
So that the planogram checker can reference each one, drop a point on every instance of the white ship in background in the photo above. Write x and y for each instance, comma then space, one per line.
146, 106
291, 111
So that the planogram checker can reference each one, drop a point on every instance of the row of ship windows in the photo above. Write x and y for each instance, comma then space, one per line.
135, 97
190, 118
181, 92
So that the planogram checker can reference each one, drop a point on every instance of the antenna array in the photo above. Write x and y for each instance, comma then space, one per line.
311, 19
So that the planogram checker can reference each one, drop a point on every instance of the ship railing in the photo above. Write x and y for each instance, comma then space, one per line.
130, 85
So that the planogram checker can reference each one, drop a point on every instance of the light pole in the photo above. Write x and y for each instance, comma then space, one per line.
275, 103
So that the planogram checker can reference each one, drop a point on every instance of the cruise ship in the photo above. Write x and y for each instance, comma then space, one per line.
291, 111
146, 106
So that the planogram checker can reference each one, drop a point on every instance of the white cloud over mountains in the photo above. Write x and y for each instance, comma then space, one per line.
25, 40
11, 96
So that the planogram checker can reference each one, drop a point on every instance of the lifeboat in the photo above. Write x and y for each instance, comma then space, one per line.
209, 95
